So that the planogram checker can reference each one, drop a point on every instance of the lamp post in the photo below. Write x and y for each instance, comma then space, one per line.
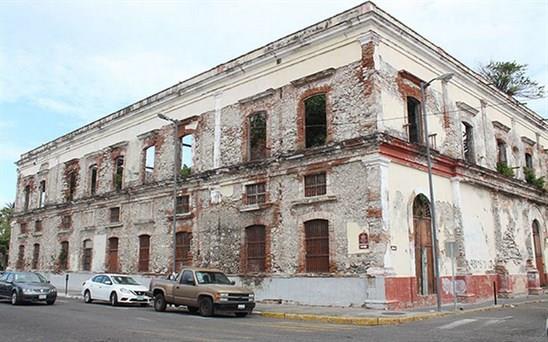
175, 124
443, 78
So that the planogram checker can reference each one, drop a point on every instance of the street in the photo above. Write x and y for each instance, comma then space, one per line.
72, 320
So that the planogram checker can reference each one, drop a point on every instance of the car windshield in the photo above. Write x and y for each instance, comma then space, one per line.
29, 278
212, 278
124, 280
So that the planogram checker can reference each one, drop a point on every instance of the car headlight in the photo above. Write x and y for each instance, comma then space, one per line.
28, 291
123, 290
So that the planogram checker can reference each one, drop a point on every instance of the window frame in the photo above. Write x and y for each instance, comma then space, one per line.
255, 241
313, 189
253, 195
93, 173
418, 123
114, 219
307, 127
261, 152
180, 207
42, 194
141, 260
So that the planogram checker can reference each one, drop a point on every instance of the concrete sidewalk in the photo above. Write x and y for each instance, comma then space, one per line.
368, 317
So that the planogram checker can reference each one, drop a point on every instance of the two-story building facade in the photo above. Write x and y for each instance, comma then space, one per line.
303, 173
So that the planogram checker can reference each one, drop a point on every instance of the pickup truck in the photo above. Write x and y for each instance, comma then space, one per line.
207, 291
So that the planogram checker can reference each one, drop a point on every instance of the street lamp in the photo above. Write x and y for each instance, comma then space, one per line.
443, 78
174, 221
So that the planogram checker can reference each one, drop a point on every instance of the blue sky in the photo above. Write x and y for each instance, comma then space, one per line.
66, 63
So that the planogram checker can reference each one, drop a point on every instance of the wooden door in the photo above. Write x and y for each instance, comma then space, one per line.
144, 252
316, 246
538, 253
112, 258
424, 256
255, 248
183, 257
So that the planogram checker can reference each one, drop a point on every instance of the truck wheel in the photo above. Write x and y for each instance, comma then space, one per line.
206, 306
113, 299
87, 297
159, 302
241, 314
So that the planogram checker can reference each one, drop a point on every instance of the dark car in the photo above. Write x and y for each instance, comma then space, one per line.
22, 287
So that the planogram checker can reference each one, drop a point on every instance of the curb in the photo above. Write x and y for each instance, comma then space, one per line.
376, 321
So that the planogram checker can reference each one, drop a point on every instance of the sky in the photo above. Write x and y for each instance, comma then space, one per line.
66, 63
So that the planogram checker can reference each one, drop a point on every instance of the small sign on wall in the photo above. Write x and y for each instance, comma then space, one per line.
363, 241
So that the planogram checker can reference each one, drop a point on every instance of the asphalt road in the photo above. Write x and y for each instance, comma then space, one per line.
72, 320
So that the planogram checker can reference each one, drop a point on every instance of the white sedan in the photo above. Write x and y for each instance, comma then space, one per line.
115, 289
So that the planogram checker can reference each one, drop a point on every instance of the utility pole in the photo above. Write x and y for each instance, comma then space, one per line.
435, 252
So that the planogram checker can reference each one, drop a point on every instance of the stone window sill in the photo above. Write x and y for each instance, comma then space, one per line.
254, 207
37, 234
115, 225
314, 200
89, 228
183, 216
147, 221
64, 231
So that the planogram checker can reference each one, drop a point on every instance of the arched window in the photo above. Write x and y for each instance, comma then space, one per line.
257, 136
87, 255
316, 241
424, 257
144, 253
112, 255
255, 243
315, 120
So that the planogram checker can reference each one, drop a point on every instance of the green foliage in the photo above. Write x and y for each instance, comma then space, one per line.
6, 215
185, 171
511, 78
505, 170
530, 178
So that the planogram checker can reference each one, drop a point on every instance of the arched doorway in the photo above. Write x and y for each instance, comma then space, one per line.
538, 252
424, 257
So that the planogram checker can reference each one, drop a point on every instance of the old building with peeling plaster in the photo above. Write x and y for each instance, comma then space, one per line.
303, 175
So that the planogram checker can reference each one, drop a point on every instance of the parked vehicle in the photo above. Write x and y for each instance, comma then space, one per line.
207, 291
22, 287
116, 289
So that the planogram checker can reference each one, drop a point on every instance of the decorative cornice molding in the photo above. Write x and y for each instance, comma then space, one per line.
467, 108
313, 77
501, 126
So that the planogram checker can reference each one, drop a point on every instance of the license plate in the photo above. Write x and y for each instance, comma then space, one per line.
140, 298
241, 306
41, 296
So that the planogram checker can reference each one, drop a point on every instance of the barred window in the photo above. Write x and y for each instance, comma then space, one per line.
66, 222
183, 204
255, 193
115, 215
315, 185
182, 250
316, 246
87, 255
255, 248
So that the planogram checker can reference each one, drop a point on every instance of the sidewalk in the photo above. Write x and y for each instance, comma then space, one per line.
362, 316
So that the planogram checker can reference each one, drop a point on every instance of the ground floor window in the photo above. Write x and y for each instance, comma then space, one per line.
316, 241
144, 252
255, 248
112, 261
183, 256
86, 255
36, 256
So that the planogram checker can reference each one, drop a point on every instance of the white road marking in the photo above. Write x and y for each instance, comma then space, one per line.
492, 321
144, 319
457, 323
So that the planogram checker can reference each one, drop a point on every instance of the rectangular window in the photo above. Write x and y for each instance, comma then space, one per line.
467, 142
93, 180
144, 253
27, 198
182, 250
87, 255
35, 256
257, 136
315, 185
66, 222
150, 156
255, 248
414, 121
183, 204
115, 215
42, 196
528, 161
187, 142
501, 152
315, 120
118, 173
21, 258
112, 255
38, 226
63, 256
71, 186
23, 227
317, 245
255, 193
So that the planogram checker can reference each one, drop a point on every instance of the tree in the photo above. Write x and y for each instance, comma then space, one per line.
511, 78
6, 215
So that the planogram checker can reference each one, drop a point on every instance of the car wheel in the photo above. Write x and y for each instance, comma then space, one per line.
50, 301
159, 302
192, 309
113, 299
87, 297
206, 306
241, 314
15, 298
